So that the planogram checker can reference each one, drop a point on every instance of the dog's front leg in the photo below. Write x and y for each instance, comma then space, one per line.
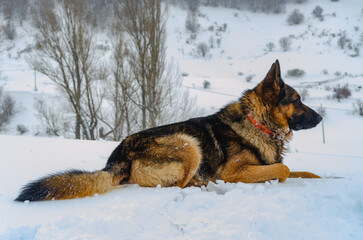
231, 172
303, 175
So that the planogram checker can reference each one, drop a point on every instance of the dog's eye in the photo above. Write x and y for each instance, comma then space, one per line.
298, 101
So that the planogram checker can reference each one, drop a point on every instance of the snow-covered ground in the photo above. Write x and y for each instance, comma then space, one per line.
327, 208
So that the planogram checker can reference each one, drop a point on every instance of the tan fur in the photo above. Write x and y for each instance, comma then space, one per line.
240, 169
281, 115
256, 105
150, 175
174, 161
80, 185
249, 133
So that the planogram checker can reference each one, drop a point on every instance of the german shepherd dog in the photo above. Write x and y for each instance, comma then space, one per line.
243, 142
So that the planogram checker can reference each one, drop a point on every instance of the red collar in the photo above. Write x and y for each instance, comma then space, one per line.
272, 134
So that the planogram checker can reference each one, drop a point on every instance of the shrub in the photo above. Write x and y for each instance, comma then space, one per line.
185, 74
304, 93
322, 111
193, 36
49, 118
211, 42
295, 18
343, 41
270, 46
206, 84
356, 50
358, 107
285, 43
250, 77
202, 49
219, 41
9, 31
7, 109
22, 129
337, 74
191, 23
295, 73
317, 12
341, 92
222, 28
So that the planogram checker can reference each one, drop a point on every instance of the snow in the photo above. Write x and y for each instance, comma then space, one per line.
327, 208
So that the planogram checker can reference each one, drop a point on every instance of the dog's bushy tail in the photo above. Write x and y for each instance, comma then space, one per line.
68, 185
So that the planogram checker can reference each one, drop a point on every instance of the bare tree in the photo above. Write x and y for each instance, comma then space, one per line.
21, 9
51, 120
155, 83
121, 117
66, 54
178, 105
202, 49
358, 107
191, 22
9, 30
144, 23
285, 43
2, 38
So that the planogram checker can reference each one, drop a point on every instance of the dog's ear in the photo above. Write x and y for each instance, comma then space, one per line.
272, 85
273, 78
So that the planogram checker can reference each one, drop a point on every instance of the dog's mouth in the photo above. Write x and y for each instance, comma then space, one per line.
301, 122
296, 126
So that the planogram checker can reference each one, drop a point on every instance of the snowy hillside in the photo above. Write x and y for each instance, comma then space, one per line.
237, 59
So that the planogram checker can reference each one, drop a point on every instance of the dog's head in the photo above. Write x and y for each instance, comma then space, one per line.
284, 103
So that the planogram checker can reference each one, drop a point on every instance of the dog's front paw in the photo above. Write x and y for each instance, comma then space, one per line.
285, 173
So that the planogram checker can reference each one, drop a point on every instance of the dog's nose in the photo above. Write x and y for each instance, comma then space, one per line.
319, 118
